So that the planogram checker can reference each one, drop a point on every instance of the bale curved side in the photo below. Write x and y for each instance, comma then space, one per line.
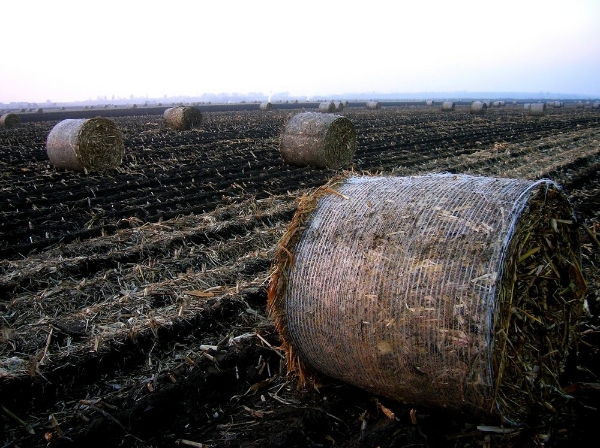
478, 108
448, 106
373, 105
446, 291
182, 118
86, 145
319, 140
9, 120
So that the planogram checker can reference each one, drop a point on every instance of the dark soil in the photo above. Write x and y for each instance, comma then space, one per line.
133, 302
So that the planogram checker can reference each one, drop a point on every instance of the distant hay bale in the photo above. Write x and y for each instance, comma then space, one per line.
39, 110
496, 104
526, 106
444, 291
327, 107
86, 145
478, 108
429, 103
339, 106
373, 105
182, 118
9, 120
537, 109
558, 104
580, 105
319, 140
596, 105
488, 104
266, 106
447, 106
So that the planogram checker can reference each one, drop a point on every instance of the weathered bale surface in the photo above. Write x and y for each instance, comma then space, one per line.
9, 120
87, 145
478, 108
374, 105
319, 140
266, 106
447, 106
182, 118
446, 291
537, 109
327, 107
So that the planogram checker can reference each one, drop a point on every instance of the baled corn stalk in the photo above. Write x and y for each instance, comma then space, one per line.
537, 109
446, 291
478, 108
87, 145
182, 118
373, 105
447, 106
9, 120
319, 140
327, 107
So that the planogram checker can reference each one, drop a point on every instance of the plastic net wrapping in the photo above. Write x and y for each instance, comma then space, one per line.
442, 290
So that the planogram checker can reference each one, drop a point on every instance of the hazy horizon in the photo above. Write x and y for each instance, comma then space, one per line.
68, 51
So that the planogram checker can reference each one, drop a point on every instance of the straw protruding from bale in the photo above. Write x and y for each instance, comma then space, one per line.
448, 106
318, 140
537, 109
478, 108
9, 120
327, 107
182, 118
446, 291
267, 105
373, 105
86, 145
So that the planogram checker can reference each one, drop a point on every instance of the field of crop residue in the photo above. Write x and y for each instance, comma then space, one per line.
133, 302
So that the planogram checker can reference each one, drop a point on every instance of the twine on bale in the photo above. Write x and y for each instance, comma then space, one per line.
86, 145
319, 140
446, 291
182, 118
9, 120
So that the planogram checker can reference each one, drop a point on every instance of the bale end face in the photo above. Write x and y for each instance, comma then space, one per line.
318, 140
86, 145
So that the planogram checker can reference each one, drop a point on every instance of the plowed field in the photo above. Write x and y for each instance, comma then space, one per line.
132, 302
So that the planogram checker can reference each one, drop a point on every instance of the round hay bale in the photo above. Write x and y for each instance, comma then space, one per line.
446, 291
86, 145
266, 106
327, 107
319, 140
339, 106
496, 104
429, 103
596, 105
39, 110
526, 107
580, 105
373, 105
478, 108
447, 106
9, 120
537, 109
488, 104
182, 118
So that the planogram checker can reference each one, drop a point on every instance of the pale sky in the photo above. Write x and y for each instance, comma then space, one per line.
77, 50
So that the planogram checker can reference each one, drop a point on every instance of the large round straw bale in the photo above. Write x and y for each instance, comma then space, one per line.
537, 109
580, 105
327, 106
182, 118
319, 140
373, 105
596, 105
429, 103
447, 106
266, 106
9, 120
339, 106
446, 291
87, 145
478, 108
496, 104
